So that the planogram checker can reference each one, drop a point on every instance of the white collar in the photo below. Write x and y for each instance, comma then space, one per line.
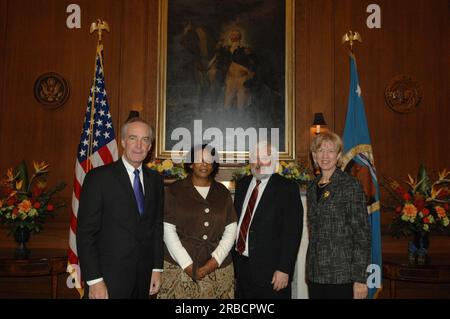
130, 168
263, 180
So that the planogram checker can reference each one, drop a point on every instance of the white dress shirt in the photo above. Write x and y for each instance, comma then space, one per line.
130, 170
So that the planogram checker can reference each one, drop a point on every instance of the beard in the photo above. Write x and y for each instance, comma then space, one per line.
262, 172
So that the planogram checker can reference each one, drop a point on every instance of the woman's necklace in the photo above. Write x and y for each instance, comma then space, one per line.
323, 184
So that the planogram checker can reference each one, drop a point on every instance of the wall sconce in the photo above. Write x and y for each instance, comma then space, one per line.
318, 121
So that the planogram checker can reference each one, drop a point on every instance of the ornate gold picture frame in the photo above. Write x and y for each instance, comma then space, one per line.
225, 65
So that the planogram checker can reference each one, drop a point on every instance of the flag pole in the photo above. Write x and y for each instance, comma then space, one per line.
98, 26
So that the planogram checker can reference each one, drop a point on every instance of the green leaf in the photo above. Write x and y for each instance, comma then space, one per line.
23, 175
423, 185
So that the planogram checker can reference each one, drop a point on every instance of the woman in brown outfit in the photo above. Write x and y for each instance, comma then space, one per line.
199, 232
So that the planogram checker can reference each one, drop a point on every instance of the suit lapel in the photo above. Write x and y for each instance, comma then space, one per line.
313, 190
312, 195
266, 198
148, 189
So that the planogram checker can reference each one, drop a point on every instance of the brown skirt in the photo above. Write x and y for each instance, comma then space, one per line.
176, 284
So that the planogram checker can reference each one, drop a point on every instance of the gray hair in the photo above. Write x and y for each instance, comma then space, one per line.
124, 129
262, 148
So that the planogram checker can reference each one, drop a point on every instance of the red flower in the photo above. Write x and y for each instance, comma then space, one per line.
400, 191
426, 220
11, 201
37, 205
425, 212
36, 191
50, 208
15, 211
406, 197
419, 203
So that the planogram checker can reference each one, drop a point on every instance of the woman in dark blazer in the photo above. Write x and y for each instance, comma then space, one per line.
339, 243
199, 232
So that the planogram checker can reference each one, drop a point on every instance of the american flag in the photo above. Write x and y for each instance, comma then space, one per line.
97, 147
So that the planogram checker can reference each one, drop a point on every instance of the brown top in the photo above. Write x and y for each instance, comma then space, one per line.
200, 222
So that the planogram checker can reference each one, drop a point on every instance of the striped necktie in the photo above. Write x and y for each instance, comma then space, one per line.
243, 231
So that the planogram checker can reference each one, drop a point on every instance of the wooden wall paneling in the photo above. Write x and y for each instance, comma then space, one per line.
151, 65
303, 113
38, 41
434, 74
416, 51
132, 58
322, 60
315, 69
443, 94
3, 35
33, 48
151, 57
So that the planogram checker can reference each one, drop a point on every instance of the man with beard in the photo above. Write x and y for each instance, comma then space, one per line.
270, 216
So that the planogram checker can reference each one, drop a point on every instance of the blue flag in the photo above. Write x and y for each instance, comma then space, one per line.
358, 161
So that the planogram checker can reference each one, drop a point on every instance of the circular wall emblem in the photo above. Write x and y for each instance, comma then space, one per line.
51, 90
403, 94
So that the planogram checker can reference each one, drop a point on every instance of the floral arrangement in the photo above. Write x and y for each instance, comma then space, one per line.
291, 170
168, 169
423, 206
26, 203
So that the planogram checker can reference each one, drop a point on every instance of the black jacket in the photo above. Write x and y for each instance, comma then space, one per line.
113, 240
276, 228
339, 235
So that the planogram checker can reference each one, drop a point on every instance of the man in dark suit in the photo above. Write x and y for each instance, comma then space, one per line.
120, 222
269, 230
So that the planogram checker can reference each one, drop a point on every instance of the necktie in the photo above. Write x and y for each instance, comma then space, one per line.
138, 191
240, 246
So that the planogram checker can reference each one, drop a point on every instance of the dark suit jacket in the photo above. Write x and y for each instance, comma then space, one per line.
339, 235
276, 228
113, 240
